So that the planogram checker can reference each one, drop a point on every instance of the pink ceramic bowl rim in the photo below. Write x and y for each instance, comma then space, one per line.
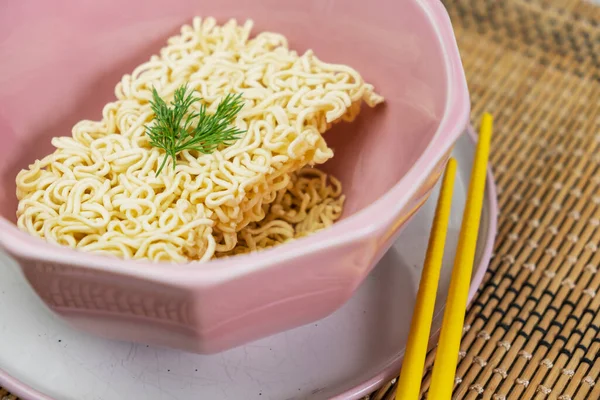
356, 227
17, 388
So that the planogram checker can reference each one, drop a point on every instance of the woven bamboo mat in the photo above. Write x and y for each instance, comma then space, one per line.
533, 331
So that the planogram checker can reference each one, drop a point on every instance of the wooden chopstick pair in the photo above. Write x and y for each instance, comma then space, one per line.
446, 360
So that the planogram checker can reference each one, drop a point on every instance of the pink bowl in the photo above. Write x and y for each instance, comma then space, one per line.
60, 62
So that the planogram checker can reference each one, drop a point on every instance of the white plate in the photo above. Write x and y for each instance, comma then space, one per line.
347, 354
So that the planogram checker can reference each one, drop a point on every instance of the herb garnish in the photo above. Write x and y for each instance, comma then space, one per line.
176, 129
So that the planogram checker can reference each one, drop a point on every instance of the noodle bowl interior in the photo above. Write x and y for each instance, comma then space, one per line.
102, 189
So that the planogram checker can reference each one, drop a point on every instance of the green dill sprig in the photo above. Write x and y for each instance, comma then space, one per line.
176, 129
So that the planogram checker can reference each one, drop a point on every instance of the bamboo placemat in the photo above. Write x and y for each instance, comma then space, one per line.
533, 331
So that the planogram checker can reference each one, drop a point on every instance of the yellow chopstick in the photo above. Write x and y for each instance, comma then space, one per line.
409, 383
446, 360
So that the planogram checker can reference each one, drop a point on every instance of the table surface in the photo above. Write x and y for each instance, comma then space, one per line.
533, 332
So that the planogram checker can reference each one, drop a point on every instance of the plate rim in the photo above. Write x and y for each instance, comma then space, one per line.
18, 388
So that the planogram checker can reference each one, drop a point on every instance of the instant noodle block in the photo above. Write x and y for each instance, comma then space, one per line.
75, 72
110, 189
